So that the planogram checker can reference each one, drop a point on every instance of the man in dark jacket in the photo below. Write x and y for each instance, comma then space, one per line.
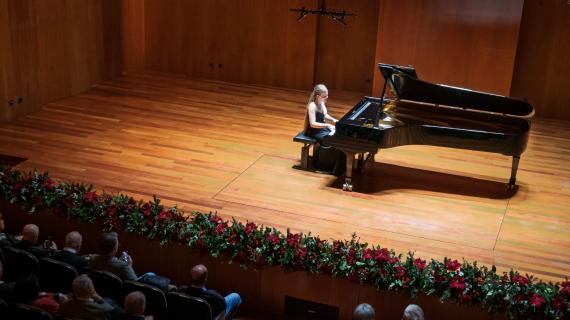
85, 303
69, 253
106, 260
30, 235
220, 305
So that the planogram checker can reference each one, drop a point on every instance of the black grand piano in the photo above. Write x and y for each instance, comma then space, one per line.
424, 113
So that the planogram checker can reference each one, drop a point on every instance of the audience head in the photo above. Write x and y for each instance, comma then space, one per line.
109, 244
73, 240
83, 287
31, 233
199, 274
363, 311
413, 312
320, 90
135, 303
1, 270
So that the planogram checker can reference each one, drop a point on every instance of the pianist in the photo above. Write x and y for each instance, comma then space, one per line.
318, 125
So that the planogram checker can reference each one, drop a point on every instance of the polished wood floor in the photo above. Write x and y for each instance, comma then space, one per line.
213, 146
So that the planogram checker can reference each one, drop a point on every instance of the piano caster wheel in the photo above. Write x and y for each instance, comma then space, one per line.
347, 187
511, 187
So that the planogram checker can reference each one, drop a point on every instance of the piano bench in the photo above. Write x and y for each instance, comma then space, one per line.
307, 142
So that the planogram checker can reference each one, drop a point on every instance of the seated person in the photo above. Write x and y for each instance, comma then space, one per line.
220, 305
318, 125
85, 303
69, 253
135, 304
5, 239
30, 235
28, 291
413, 312
106, 260
364, 311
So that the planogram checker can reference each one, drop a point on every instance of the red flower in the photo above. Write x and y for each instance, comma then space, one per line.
149, 223
520, 297
90, 197
457, 283
49, 184
517, 278
293, 240
452, 265
565, 287
401, 272
146, 210
382, 255
558, 303
220, 229
215, 219
249, 228
536, 300
351, 257
421, 264
464, 298
273, 239
112, 210
368, 254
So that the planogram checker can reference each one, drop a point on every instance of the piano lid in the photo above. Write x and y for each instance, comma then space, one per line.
406, 86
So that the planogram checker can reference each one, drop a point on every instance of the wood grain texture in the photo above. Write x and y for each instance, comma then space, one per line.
217, 146
542, 64
55, 49
469, 44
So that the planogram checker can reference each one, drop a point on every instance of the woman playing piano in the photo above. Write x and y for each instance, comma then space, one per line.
318, 125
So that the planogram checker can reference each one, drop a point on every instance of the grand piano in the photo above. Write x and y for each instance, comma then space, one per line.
424, 113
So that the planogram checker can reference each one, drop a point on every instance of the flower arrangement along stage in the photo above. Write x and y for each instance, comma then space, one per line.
258, 246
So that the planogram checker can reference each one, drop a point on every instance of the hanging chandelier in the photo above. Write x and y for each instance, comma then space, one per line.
322, 11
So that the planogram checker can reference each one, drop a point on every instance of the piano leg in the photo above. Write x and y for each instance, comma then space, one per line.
514, 169
347, 186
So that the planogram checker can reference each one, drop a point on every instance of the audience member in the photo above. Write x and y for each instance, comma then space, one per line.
28, 291
413, 312
363, 311
106, 259
135, 304
69, 253
227, 305
30, 235
5, 239
85, 303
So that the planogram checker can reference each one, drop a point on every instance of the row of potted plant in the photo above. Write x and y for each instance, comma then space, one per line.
251, 245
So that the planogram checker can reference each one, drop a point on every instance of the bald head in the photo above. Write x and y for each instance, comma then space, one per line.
199, 275
83, 287
73, 240
2, 226
135, 303
413, 312
363, 311
30, 233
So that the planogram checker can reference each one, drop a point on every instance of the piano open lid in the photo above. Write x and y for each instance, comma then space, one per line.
406, 86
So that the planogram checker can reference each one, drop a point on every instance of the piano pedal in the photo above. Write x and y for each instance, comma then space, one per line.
347, 186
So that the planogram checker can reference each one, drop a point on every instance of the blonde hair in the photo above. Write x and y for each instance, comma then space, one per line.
317, 90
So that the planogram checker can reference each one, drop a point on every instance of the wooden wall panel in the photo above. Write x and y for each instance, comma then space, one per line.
246, 41
464, 43
542, 65
55, 49
345, 53
133, 34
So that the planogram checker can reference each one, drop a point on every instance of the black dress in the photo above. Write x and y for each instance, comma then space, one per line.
317, 133
327, 159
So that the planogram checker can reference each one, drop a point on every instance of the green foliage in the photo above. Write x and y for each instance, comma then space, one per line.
250, 245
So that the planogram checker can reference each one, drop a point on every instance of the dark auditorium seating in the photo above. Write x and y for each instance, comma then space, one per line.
155, 298
106, 284
24, 311
185, 307
56, 276
20, 264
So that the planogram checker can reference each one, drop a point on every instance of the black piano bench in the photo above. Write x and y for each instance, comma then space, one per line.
307, 142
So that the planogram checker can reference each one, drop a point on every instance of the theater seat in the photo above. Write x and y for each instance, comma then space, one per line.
185, 307
24, 311
56, 276
106, 284
155, 298
20, 264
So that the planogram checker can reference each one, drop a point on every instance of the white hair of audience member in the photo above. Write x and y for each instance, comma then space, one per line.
413, 312
363, 311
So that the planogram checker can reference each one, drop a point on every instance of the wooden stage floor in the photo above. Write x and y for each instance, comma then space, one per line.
213, 146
